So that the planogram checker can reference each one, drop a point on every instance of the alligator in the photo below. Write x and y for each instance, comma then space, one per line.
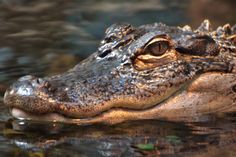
153, 71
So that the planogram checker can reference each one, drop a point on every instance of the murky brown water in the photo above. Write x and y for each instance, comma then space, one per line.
46, 37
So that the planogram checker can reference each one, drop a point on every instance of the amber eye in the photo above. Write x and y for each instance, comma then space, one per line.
157, 47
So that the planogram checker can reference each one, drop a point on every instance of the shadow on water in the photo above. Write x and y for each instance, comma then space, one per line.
44, 37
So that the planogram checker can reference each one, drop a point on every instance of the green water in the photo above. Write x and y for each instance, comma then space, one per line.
42, 38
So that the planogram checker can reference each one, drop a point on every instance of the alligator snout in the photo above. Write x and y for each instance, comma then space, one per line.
23, 94
153, 71
25, 86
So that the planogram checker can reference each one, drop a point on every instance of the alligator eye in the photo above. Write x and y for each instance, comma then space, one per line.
157, 47
157, 52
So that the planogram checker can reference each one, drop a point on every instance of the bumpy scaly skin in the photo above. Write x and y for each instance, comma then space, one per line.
108, 86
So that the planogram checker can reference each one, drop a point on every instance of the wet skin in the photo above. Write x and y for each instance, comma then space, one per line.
148, 72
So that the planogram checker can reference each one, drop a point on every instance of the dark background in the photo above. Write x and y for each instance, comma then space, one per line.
44, 37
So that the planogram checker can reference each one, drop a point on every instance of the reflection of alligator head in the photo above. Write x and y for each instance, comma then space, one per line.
126, 139
148, 72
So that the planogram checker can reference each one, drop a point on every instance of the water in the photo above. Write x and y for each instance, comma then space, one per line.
46, 37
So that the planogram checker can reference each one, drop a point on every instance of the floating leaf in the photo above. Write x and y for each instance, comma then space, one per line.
146, 146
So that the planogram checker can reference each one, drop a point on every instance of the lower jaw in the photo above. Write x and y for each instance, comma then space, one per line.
22, 115
54, 117
110, 117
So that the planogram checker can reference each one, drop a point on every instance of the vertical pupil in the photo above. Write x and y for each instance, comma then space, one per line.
157, 48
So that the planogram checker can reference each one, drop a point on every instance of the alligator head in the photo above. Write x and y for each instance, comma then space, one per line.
152, 71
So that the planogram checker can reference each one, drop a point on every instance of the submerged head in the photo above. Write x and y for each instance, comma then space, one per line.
133, 70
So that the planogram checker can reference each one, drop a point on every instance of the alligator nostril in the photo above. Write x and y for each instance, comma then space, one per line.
40, 81
37, 80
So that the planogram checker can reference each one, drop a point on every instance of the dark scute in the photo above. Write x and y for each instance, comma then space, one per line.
199, 46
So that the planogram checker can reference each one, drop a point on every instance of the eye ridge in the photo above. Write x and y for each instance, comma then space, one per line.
157, 48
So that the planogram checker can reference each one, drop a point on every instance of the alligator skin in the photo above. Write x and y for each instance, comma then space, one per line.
153, 71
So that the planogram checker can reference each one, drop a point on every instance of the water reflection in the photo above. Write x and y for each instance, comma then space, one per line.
124, 139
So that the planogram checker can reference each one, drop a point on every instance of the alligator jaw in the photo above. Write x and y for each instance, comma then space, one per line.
137, 73
182, 106
22, 115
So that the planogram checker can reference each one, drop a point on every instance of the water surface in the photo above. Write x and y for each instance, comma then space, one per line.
44, 37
